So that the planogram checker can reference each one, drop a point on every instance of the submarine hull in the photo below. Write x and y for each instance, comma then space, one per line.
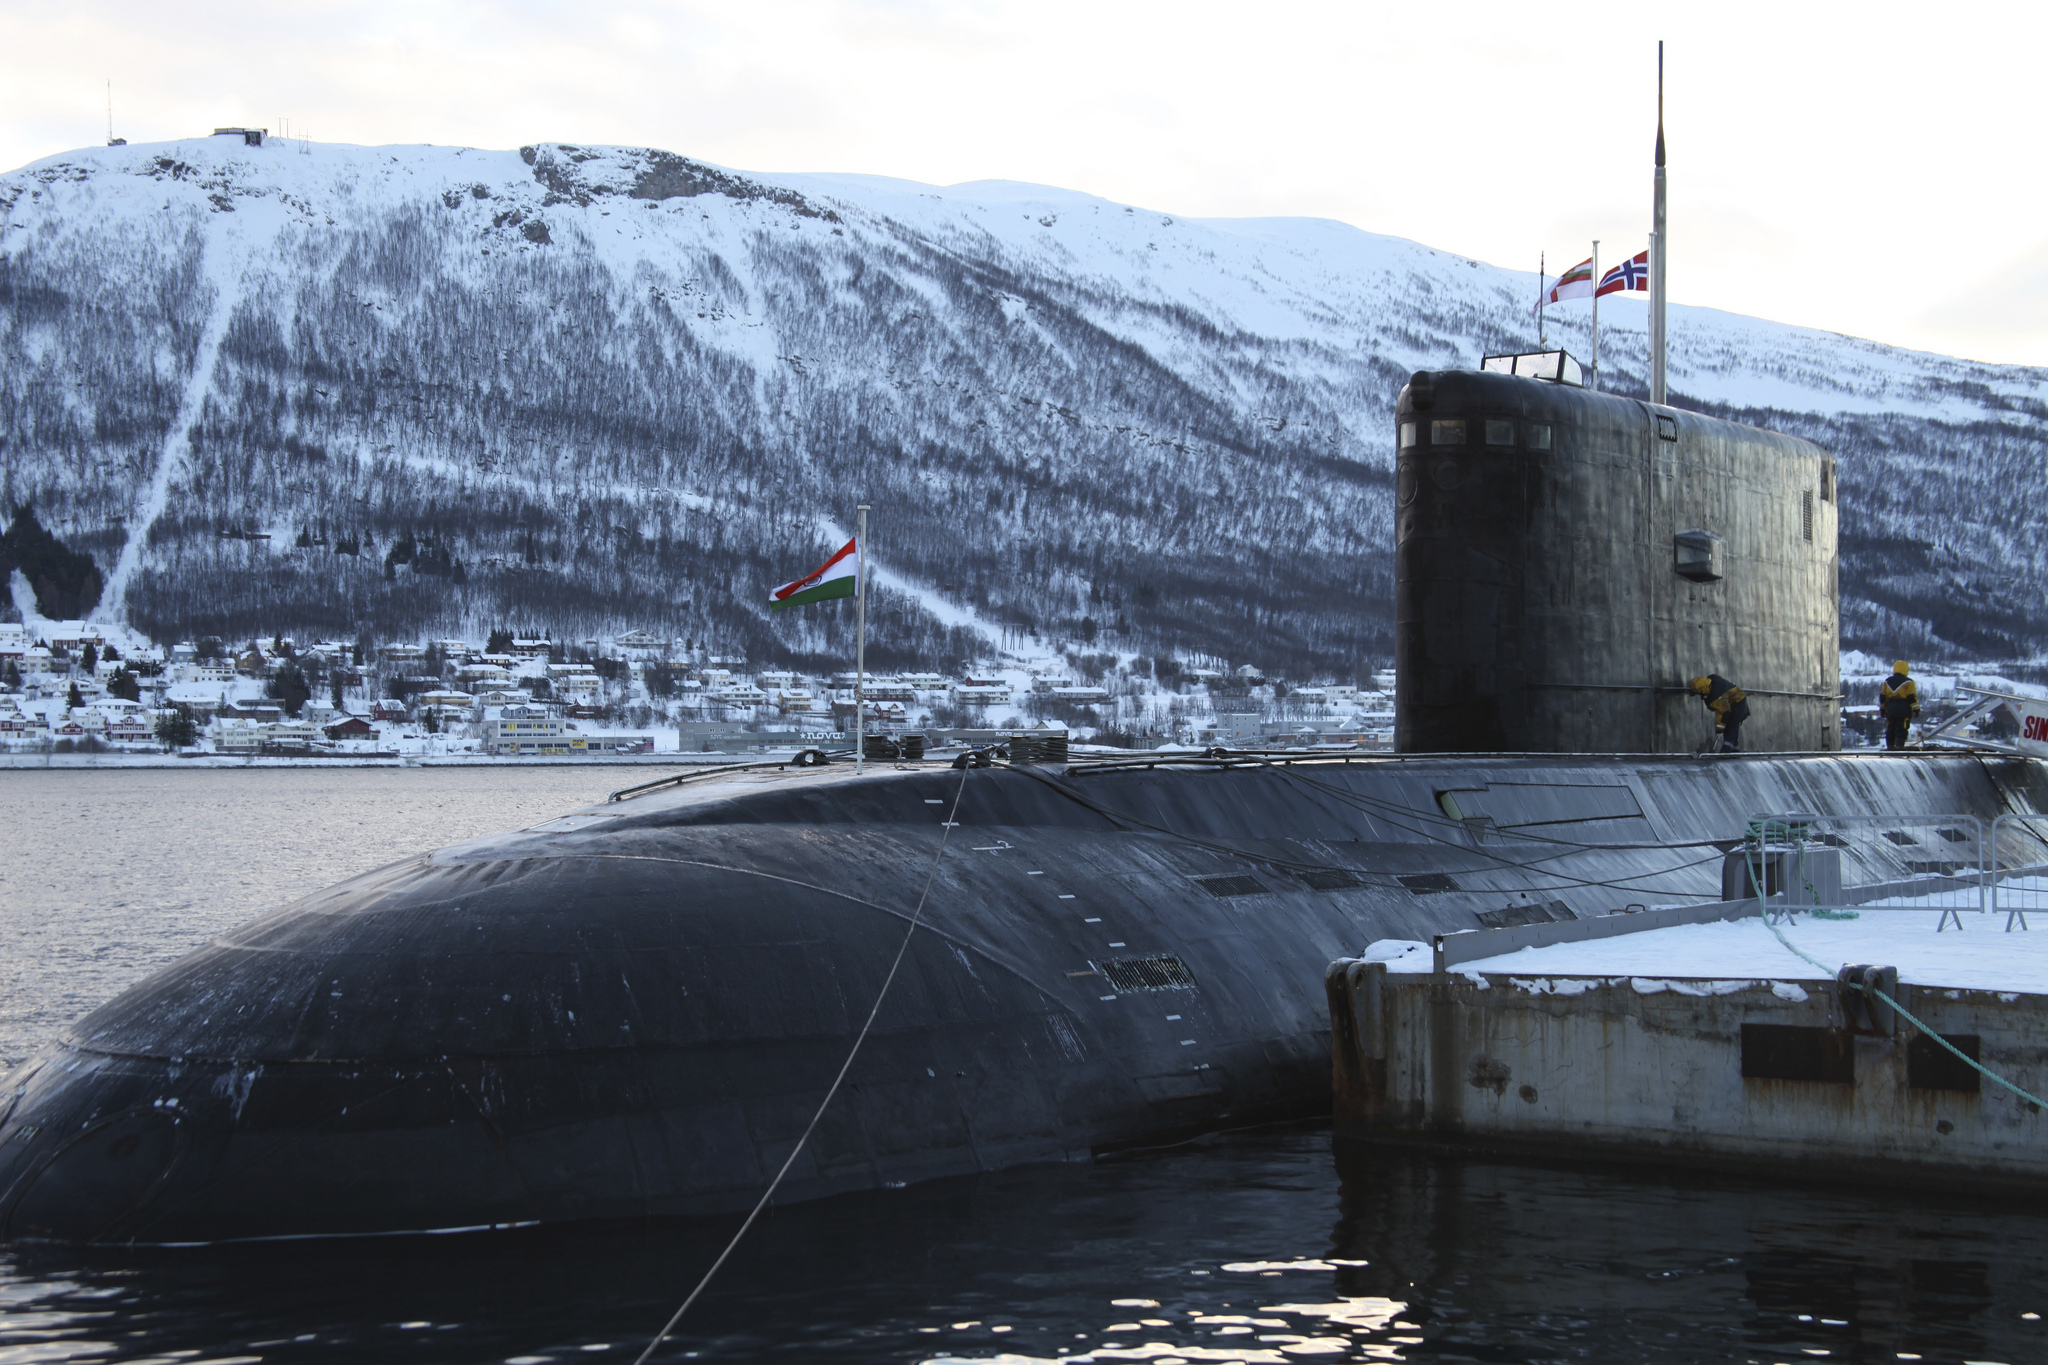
635, 1010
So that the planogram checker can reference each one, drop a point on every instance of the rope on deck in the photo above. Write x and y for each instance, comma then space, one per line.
945, 832
1972, 1062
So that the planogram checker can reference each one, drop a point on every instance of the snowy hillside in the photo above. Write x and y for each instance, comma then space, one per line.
588, 388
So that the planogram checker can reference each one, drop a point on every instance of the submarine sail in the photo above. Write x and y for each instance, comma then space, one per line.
1567, 560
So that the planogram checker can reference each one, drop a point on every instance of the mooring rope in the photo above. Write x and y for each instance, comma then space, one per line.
945, 833
1960, 1055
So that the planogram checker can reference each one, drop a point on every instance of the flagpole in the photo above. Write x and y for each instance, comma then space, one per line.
1658, 249
860, 647
1541, 267
1596, 315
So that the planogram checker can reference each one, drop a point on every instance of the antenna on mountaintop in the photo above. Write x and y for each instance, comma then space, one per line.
112, 141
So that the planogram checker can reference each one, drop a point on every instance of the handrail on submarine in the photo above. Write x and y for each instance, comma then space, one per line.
1223, 757
1215, 757
711, 770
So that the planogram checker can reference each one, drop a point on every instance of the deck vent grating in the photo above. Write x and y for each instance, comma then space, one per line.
1330, 879
1954, 836
1162, 973
1900, 838
1427, 883
1936, 867
1231, 886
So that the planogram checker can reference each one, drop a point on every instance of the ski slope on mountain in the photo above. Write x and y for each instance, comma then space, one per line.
589, 387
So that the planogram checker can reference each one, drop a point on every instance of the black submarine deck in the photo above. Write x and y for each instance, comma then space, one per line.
634, 1010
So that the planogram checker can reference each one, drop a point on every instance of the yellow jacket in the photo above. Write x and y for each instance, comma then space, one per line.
1898, 696
1726, 700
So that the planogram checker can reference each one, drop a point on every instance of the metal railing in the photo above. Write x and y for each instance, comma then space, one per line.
1824, 864
2018, 874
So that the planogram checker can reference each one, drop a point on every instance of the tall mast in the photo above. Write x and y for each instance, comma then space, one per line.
860, 647
1595, 372
1542, 267
1659, 249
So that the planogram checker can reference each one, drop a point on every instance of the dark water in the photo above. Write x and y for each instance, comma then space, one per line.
1172, 1256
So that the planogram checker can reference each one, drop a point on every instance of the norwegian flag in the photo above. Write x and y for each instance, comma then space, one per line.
1633, 273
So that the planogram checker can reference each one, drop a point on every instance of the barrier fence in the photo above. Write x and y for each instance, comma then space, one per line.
1826, 864
2018, 874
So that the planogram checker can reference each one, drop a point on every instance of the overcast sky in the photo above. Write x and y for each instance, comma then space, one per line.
1870, 168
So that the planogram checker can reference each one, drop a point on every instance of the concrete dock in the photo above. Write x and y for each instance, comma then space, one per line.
1709, 1044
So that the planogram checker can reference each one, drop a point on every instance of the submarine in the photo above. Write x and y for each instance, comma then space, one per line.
634, 1010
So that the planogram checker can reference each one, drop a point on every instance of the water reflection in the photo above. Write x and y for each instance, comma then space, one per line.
1253, 1248
1510, 1262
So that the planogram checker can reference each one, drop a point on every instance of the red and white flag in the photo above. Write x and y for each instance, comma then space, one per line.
1576, 283
1633, 273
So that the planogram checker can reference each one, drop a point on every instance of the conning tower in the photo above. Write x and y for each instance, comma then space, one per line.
1567, 560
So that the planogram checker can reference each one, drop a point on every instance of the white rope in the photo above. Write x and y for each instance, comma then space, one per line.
888, 981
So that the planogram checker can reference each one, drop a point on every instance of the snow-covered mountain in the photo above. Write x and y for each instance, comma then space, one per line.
591, 387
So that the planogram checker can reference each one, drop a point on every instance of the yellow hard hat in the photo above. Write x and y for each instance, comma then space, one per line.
1900, 667
1702, 685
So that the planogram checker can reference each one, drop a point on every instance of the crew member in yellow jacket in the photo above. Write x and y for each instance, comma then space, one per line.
1730, 706
1898, 697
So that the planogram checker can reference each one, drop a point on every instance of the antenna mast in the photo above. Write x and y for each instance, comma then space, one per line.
1594, 373
112, 141
1659, 249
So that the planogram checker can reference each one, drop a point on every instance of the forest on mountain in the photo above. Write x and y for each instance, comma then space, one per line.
599, 389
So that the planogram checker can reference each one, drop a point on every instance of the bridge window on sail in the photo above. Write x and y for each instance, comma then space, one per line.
1500, 433
1407, 435
1536, 435
1447, 433
1667, 427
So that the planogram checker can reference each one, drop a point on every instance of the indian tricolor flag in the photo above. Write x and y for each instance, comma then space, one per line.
838, 576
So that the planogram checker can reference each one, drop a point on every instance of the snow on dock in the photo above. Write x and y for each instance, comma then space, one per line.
1711, 1043
1981, 957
